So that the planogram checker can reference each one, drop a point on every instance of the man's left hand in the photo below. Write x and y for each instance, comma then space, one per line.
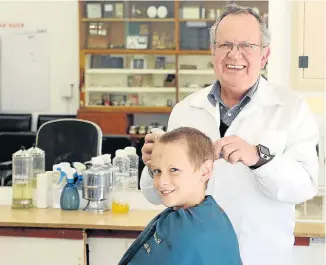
234, 149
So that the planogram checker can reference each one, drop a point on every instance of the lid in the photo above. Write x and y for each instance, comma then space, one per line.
22, 153
35, 151
120, 153
79, 166
56, 167
106, 158
130, 150
97, 161
64, 164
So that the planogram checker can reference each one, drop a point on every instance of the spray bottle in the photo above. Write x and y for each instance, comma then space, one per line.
69, 199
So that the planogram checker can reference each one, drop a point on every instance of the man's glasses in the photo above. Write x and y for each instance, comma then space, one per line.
244, 47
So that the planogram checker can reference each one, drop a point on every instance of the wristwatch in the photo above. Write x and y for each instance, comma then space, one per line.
264, 156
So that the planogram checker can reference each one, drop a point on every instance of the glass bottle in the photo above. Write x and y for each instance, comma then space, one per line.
38, 167
22, 179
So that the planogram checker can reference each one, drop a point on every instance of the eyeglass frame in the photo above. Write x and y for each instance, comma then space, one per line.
252, 45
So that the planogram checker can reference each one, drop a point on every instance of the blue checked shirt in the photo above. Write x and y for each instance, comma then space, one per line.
229, 114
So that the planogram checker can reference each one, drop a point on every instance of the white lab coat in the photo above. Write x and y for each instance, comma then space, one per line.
260, 203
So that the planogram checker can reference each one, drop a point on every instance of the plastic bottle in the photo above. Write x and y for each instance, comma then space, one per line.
121, 181
58, 183
133, 167
80, 168
69, 199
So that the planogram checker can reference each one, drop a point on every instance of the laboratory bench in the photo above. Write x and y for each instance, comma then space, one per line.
77, 237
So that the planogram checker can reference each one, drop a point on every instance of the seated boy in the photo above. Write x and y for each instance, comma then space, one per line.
193, 230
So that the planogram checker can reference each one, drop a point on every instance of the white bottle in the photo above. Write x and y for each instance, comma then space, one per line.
122, 163
133, 167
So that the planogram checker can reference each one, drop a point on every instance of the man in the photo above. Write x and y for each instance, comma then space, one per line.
265, 137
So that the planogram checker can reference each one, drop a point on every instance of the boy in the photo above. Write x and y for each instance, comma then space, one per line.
193, 230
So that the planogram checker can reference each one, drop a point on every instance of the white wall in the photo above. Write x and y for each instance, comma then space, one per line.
60, 18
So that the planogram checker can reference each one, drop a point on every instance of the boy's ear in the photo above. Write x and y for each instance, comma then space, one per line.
206, 170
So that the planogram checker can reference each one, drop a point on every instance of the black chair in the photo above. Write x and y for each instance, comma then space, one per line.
15, 122
69, 140
10, 143
111, 143
43, 118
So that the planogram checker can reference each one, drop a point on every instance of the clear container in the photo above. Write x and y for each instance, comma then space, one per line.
38, 167
22, 179
121, 181
133, 167
96, 186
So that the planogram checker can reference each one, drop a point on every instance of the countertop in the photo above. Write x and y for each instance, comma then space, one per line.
133, 221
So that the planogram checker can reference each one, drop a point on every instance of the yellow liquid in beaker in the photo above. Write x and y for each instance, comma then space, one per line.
22, 195
118, 207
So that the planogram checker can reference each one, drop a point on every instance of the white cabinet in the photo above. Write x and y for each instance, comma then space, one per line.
29, 250
107, 251
310, 255
308, 39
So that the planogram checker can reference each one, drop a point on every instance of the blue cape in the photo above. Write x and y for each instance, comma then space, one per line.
200, 235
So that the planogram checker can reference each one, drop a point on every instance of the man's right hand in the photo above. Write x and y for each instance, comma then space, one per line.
148, 148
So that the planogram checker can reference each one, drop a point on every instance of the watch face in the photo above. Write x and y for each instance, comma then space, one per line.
264, 150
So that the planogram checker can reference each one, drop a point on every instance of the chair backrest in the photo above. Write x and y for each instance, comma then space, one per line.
43, 118
11, 142
15, 122
111, 143
69, 140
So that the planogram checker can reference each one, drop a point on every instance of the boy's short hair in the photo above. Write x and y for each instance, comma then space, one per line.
200, 146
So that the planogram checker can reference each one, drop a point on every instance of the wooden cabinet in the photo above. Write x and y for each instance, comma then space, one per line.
308, 43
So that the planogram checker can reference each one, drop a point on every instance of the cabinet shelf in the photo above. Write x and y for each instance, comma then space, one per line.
128, 51
146, 51
127, 20
129, 71
132, 89
196, 72
126, 109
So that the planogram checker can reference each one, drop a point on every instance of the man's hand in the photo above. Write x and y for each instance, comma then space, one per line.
234, 149
147, 149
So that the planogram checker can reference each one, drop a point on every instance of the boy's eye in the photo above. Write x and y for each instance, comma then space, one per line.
174, 169
156, 171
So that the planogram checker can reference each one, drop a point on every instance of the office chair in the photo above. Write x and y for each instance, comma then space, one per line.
15, 122
69, 140
43, 118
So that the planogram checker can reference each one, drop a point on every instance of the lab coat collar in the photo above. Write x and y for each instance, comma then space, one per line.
264, 96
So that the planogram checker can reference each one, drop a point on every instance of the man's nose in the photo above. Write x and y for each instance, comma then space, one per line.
234, 53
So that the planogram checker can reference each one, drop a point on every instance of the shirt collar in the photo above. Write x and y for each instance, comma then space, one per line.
214, 95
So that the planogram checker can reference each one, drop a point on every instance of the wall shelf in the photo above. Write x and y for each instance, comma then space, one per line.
196, 72
130, 71
132, 89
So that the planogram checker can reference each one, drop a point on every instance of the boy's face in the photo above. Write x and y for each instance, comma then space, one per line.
175, 178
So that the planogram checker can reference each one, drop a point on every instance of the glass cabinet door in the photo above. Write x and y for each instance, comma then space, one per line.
130, 80
136, 25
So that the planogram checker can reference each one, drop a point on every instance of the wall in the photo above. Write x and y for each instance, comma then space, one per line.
60, 18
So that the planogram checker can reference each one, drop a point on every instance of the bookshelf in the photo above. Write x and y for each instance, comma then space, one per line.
145, 55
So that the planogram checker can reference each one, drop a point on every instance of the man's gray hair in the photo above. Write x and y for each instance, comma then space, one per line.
235, 9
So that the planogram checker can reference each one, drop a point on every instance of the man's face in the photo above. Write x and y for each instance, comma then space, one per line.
238, 70
175, 178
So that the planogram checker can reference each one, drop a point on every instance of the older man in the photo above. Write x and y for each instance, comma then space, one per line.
265, 138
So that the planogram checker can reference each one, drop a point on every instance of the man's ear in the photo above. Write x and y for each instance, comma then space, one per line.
264, 56
206, 170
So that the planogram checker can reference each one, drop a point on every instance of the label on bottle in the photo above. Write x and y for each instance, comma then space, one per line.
20, 179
